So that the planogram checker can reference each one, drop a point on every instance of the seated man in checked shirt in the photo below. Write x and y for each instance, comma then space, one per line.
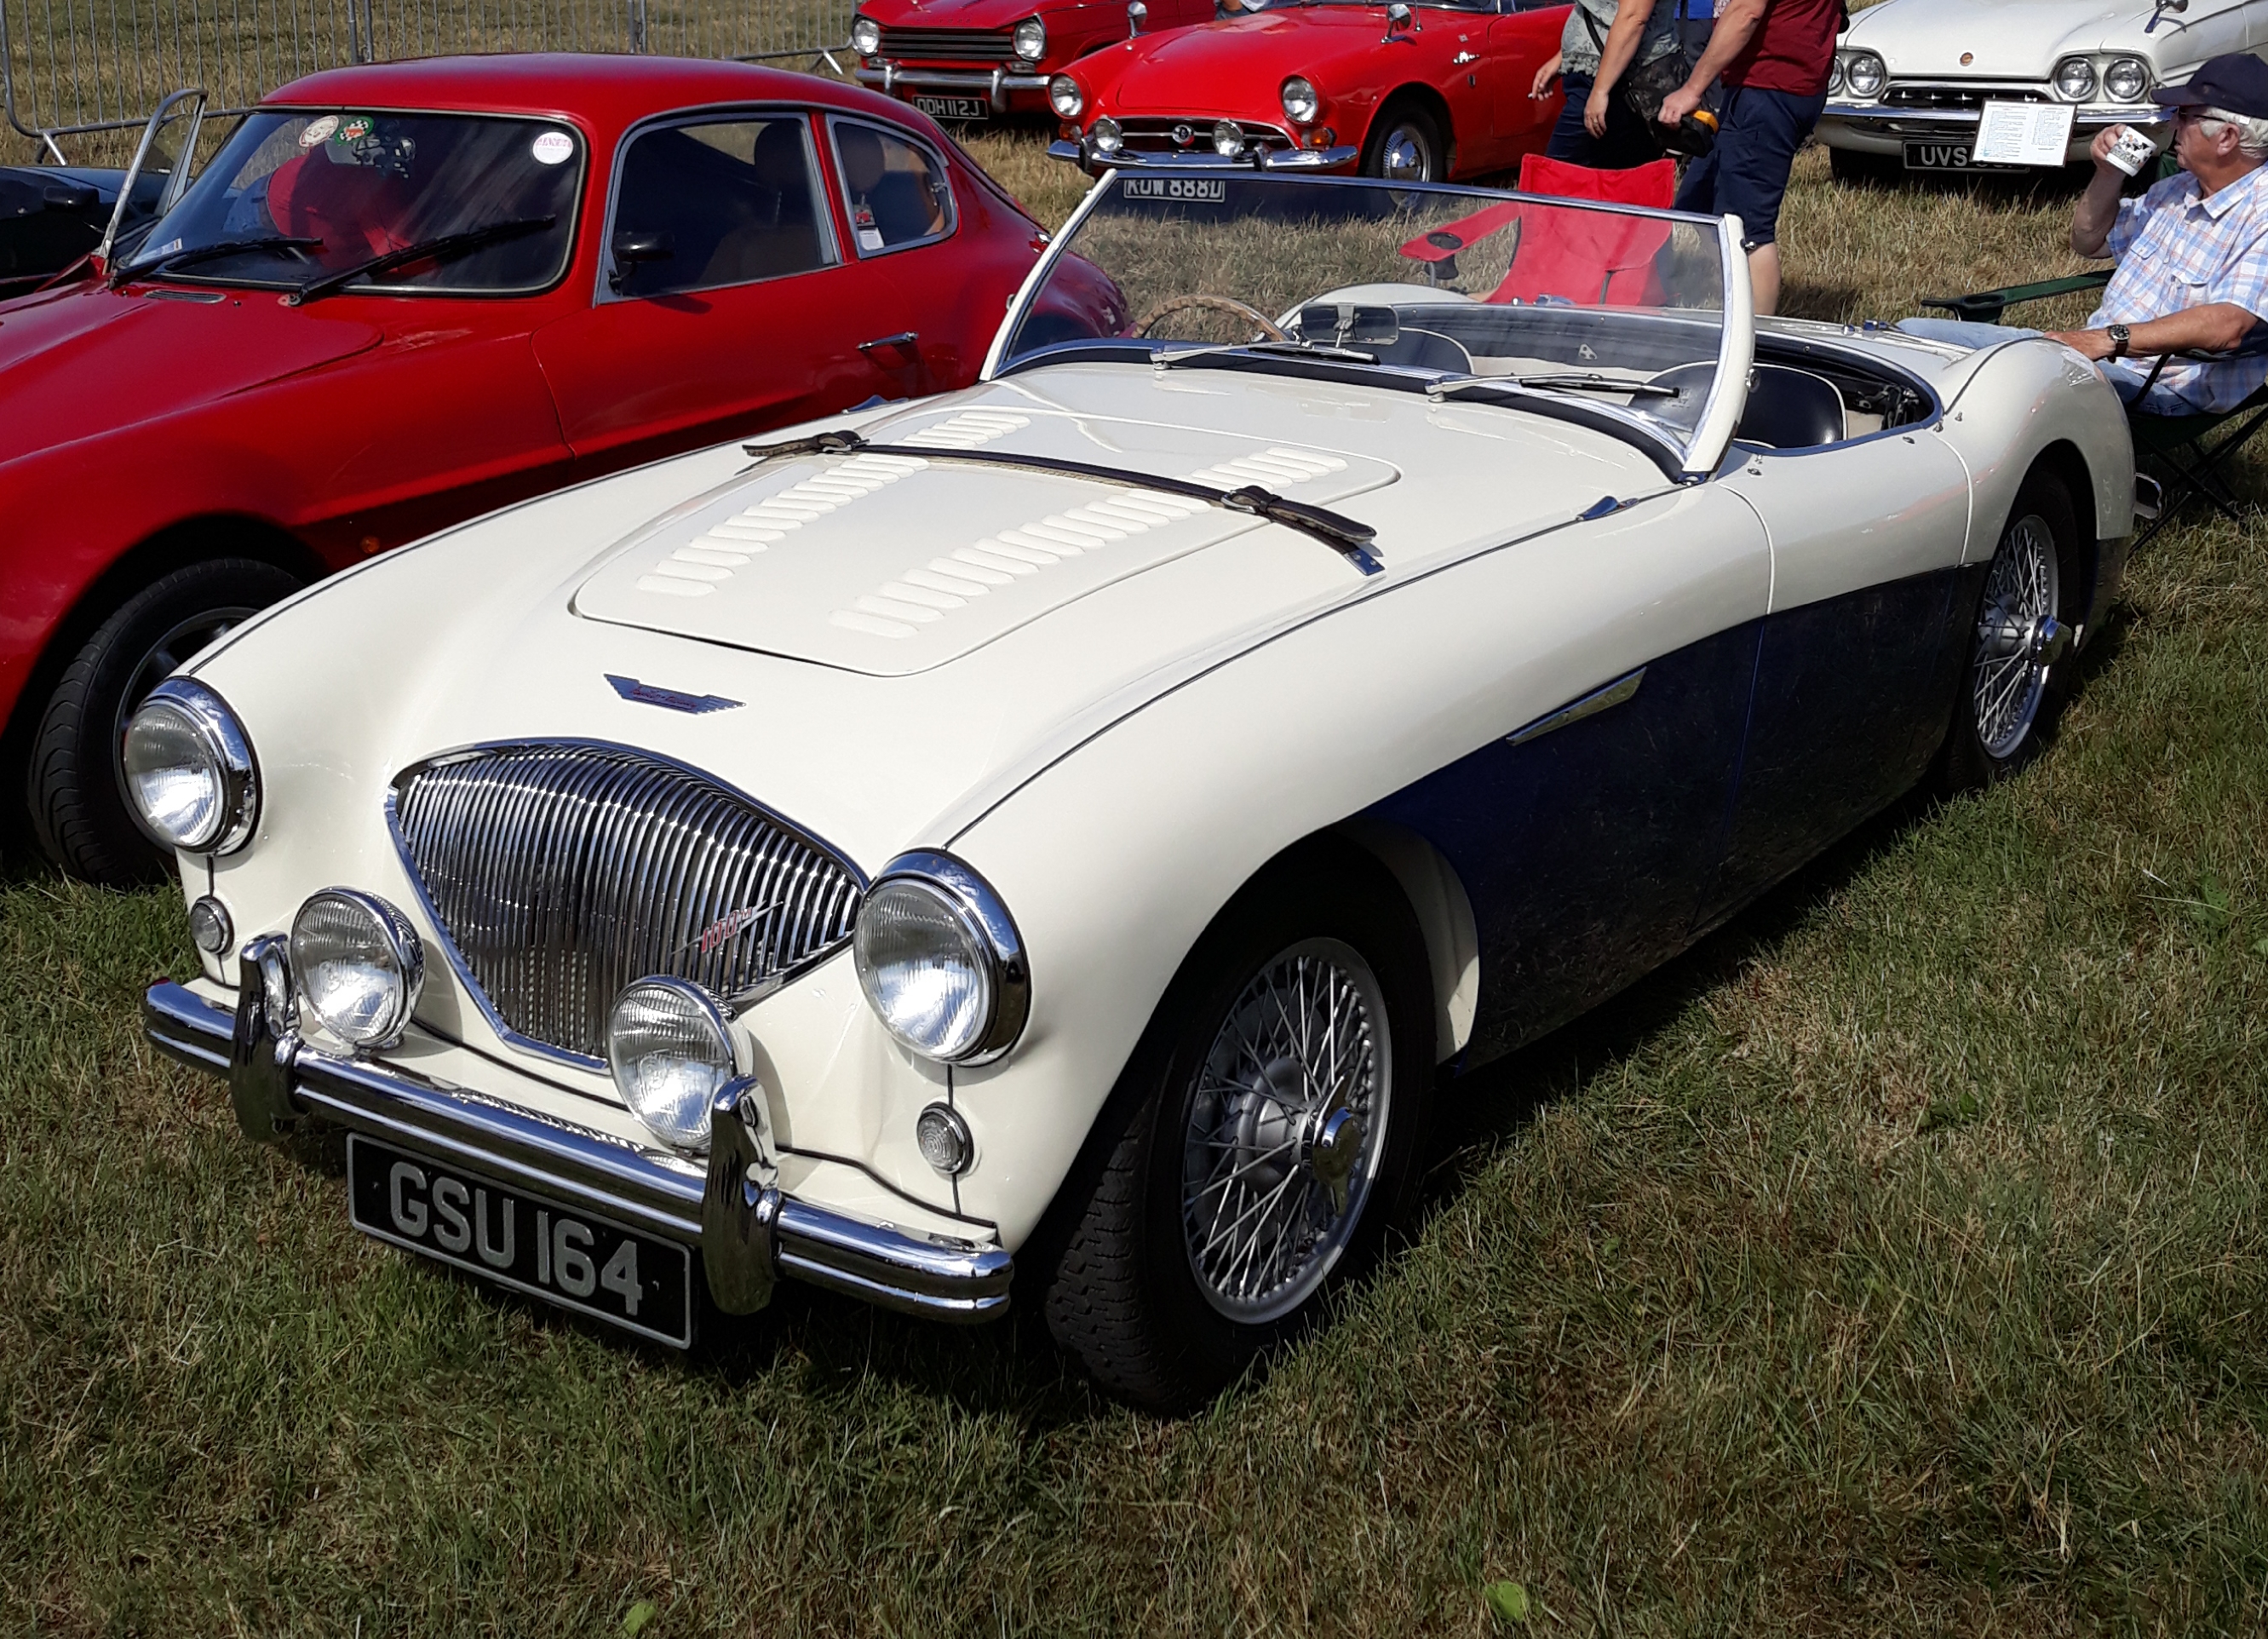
2192, 252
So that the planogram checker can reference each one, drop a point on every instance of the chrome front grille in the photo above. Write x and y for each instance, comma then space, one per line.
1957, 94
1192, 135
561, 872
947, 45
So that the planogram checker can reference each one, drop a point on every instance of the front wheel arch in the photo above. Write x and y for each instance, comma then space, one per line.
1427, 101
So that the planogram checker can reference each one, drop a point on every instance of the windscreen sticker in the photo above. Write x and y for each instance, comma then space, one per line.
553, 148
356, 127
317, 129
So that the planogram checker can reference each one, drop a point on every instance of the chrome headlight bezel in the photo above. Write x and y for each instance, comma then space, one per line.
1866, 74
233, 811
1030, 39
1065, 96
2073, 79
1302, 103
393, 938
1104, 136
2139, 78
686, 1126
969, 904
866, 35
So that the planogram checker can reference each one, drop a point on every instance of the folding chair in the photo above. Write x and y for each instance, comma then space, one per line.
2185, 445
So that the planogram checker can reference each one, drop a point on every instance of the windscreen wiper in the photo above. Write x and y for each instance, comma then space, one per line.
1343, 535
1296, 350
222, 248
1570, 381
424, 250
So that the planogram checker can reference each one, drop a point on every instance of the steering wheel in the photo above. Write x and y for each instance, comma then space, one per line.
1228, 305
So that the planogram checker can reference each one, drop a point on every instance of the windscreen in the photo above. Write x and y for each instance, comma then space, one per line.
1497, 295
463, 204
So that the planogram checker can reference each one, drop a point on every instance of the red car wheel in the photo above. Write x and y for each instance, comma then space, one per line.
1405, 145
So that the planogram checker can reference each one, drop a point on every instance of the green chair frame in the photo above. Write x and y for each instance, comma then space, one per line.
2191, 449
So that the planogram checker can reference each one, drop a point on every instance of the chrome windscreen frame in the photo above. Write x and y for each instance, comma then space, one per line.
733, 1005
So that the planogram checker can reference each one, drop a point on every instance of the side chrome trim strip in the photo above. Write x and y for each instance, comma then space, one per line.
644, 1188
1621, 689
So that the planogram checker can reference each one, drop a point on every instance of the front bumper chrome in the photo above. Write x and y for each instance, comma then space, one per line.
894, 79
1888, 121
1096, 163
748, 1232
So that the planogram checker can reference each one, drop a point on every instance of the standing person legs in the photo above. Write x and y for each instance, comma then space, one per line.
1626, 144
1746, 174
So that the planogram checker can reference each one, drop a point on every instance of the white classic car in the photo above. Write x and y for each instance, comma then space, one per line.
1912, 76
1078, 827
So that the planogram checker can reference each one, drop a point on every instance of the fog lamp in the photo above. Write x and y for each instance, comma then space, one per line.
944, 1139
1300, 100
189, 770
209, 927
2075, 80
358, 965
1030, 39
670, 1051
1104, 136
865, 36
2128, 79
1065, 96
1227, 138
1865, 74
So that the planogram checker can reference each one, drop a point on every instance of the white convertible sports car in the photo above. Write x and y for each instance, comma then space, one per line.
1077, 828
1912, 76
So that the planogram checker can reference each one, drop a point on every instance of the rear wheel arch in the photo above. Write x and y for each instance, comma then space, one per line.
2063, 459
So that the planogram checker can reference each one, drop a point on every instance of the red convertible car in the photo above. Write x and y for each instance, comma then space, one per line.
980, 59
402, 295
1422, 94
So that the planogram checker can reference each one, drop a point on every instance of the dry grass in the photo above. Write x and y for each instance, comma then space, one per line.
1895, 1262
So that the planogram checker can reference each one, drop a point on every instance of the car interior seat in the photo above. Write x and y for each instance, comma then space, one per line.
780, 234
1788, 408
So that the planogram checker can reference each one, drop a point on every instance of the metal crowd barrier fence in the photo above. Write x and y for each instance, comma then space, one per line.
71, 67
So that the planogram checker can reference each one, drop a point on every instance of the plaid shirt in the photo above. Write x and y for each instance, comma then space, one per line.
2176, 251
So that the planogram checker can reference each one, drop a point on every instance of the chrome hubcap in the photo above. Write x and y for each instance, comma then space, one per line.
1403, 158
1284, 1128
2018, 637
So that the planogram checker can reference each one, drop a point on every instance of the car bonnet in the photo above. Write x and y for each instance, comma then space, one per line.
1239, 61
2019, 39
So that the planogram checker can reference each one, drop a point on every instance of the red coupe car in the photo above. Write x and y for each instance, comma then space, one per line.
980, 59
1428, 93
402, 295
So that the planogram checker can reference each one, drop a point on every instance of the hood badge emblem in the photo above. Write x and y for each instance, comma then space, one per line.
653, 694
1968, 57
727, 928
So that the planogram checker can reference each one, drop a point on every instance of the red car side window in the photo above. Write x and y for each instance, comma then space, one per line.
894, 190
722, 202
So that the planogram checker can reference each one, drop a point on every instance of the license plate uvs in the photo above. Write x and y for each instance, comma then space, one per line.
561, 1254
1947, 157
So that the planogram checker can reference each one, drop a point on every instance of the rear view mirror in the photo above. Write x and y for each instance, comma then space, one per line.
1344, 324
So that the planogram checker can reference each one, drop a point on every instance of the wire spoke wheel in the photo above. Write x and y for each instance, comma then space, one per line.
2016, 634
1284, 1129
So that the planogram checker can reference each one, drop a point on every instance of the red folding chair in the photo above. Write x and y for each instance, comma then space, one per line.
1592, 259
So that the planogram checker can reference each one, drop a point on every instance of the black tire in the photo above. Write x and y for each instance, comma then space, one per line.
1127, 1298
1404, 128
2010, 649
1854, 169
75, 787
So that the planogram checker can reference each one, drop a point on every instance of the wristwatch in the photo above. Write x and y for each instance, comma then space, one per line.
2118, 335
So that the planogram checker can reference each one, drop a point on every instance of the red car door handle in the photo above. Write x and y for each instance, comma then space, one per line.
904, 342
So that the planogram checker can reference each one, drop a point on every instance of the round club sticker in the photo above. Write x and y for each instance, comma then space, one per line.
318, 130
553, 148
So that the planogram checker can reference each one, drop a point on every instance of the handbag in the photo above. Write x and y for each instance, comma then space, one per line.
1645, 86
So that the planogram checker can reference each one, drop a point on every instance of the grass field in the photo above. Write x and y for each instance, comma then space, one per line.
1893, 1262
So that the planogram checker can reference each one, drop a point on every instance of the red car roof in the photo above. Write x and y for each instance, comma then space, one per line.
610, 90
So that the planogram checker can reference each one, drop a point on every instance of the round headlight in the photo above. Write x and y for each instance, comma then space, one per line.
2075, 80
1227, 138
1834, 76
2128, 79
1865, 74
865, 36
1300, 100
1065, 96
670, 1054
1030, 39
940, 961
359, 965
1105, 136
189, 770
